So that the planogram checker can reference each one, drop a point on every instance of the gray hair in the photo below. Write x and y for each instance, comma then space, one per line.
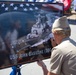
65, 32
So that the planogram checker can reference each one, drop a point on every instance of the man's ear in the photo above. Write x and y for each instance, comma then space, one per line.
53, 42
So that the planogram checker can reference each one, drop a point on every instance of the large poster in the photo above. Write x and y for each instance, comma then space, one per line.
25, 31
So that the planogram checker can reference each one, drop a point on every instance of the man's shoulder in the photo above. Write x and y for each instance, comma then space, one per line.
65, 47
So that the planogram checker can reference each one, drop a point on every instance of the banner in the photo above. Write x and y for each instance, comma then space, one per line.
25, 31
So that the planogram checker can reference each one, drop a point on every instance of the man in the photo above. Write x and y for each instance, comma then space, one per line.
63, 56
4, 59
12, 35
11, 39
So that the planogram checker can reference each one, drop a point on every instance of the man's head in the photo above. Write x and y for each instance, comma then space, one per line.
15, 25
18, 24
61, 29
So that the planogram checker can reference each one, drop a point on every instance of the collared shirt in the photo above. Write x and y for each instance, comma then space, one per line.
63, 58
12, 36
